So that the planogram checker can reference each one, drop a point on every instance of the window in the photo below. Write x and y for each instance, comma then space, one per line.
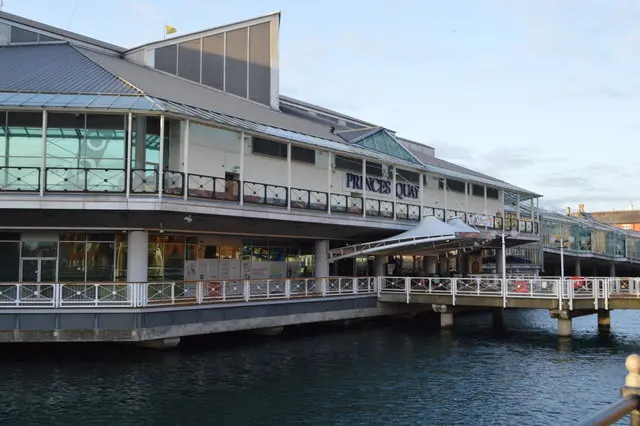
279, 150
347, 164
493, 193
453, 185
407, 176
374, 169
626, 226
302, 155
477, 190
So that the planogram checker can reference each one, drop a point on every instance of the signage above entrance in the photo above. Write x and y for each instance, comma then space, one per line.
381, 186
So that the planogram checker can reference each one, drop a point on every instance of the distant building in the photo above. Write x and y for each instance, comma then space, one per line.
624, 219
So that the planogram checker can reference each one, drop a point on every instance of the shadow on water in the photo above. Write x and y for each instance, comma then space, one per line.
389, 372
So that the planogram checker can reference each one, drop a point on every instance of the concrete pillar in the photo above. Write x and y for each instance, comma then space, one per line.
137, 256
612, 270
604, 321
578, 272
137, 266
378, 266
565, 328
498, 318
499, 263
444, 266
429, 265
322, 258
446, 319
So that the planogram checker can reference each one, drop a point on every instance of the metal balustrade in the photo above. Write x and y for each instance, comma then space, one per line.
213, 188
308, 199
144, 181
70, 179
175, 183
262, 193
19, 179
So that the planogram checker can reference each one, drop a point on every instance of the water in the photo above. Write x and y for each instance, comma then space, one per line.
392, 374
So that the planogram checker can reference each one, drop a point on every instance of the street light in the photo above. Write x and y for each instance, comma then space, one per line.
512, 233
552, 240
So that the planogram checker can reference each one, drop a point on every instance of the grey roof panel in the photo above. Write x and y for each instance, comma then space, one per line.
55, 68
167, 86
59, 31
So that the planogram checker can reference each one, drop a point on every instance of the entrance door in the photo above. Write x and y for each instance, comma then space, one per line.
38, 270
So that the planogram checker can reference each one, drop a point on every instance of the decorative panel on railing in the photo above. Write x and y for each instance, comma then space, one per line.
262, 193
144, 181
20, 179
213, 188
307, 199
172, 183
67, 179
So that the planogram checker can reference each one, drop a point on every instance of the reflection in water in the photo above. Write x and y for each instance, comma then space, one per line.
395, 374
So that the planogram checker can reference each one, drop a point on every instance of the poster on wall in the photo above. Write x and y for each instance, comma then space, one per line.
259, 270
480, 220
191, 270
277, 269
211, 269
229, 269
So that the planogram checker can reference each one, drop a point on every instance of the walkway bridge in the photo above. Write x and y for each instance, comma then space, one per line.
169, 310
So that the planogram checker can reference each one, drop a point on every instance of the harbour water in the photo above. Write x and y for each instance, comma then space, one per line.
398, 373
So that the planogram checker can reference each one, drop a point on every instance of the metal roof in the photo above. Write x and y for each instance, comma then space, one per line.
57, 68
82, 101
163, 85
63, 33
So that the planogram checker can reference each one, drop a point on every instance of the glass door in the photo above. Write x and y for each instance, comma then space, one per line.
39, 270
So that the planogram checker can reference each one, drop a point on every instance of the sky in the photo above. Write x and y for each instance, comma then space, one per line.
544, 94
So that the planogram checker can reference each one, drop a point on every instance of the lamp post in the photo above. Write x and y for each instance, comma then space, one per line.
552, 240
505, 290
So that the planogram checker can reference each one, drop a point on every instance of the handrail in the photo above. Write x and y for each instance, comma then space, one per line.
628, 404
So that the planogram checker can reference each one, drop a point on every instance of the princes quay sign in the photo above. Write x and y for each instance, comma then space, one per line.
376, 185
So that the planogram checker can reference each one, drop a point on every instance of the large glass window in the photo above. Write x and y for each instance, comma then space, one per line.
9, 259
24, 142
279, 150
152, 143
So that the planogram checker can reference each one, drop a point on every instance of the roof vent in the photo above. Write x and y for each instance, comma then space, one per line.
581, 208
568, 211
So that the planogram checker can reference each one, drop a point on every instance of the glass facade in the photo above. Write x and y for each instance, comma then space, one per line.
382, 141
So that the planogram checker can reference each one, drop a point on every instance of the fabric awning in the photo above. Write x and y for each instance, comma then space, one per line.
430, 237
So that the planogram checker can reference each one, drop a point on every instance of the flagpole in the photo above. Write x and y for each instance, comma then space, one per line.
164, 32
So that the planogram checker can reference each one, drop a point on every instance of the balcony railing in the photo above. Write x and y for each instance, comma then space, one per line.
147, 181
68, 179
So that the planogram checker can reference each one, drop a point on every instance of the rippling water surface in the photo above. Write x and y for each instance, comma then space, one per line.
392, 374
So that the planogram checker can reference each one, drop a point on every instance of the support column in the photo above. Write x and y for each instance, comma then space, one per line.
139, 165
578, 272
499, 262
446, 320
612, 270
498, 318
378, 266
322, 264
565, 328
604, 321
429, 265
137, 266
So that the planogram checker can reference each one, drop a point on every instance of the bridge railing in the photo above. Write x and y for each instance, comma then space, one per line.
629, 404
170, 293
599, 289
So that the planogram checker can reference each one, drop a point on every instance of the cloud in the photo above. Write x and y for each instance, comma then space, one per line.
573, 182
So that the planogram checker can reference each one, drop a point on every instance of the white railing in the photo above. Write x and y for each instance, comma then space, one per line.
598, 289
126, 295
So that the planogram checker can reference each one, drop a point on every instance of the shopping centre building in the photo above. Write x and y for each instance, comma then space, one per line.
180, 160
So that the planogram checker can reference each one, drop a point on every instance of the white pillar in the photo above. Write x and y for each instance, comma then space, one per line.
129, 144
161, 158
564, 327
322, 258
445, 198
329, 179
137, 266
43, 163
466, 202
364, 188
378, 266
289, 176
577, 271
186, 160
612, 270
241, 183
486, 208
421, 189
394, 182
499, 263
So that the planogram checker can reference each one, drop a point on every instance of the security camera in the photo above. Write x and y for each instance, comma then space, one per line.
188, 219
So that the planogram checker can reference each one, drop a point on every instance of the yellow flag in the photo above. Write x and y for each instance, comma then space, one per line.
168, 29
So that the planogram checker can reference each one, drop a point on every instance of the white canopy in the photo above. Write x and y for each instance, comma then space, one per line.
430, 236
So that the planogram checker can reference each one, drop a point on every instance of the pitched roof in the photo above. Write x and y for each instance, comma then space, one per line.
59, 31
618, 217
55, 68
